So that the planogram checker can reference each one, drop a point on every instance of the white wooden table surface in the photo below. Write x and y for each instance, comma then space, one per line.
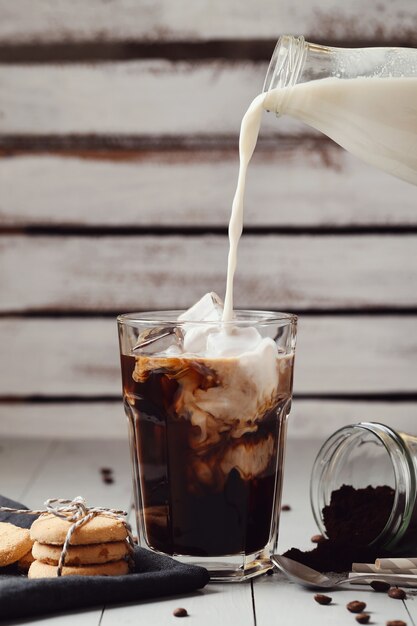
32, 471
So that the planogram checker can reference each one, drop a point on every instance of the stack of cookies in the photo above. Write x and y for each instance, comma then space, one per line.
15, 546
97, 548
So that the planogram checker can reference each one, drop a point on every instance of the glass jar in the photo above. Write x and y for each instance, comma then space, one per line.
365, 99
370, 454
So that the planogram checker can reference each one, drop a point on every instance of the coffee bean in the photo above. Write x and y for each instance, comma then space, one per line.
396, 622
107, 475
398, 594
355, 606
285, 507
317, 538
321, 599
362, 618
380, 585
180, 612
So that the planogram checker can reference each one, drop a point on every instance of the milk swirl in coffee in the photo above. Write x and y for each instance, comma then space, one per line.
209, 414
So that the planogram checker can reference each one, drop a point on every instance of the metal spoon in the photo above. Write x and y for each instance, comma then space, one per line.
308, 577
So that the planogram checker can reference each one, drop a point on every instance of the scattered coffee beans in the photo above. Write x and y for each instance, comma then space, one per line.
396, 622
362, 618
107, 475
285, 507
180, 612
356, 607
380, 585
317, 539
321, 599
398, 594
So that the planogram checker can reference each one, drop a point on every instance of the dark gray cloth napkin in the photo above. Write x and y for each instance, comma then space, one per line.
154, 576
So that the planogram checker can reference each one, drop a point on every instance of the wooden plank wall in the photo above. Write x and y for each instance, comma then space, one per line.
118, 146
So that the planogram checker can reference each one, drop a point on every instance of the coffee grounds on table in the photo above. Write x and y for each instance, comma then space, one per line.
352, 520
332, 556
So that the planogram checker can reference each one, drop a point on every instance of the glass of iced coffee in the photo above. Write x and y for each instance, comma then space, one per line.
207, 404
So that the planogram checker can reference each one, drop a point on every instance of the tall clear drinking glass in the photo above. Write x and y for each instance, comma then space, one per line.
207, 438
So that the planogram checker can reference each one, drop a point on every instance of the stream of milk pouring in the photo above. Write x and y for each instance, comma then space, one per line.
249, 131
373, 118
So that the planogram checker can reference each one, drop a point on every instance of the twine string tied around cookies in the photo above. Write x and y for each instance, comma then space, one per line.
77, 512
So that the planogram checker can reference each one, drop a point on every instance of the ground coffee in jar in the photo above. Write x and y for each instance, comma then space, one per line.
363, 497
358, 516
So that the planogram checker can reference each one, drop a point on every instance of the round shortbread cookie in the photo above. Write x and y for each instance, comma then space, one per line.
43, 570
14, 543
25, 562
81, 555
49, 528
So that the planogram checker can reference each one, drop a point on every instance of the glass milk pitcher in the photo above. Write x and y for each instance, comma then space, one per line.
365, 99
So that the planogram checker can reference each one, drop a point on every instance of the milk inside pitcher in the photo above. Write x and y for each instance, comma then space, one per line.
365, 99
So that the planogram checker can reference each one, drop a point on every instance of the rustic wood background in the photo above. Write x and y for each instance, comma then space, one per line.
118, 145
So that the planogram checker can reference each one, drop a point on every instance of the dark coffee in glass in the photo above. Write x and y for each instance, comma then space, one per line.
207, 440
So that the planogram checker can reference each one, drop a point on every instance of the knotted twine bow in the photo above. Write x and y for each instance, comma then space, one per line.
77, 512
